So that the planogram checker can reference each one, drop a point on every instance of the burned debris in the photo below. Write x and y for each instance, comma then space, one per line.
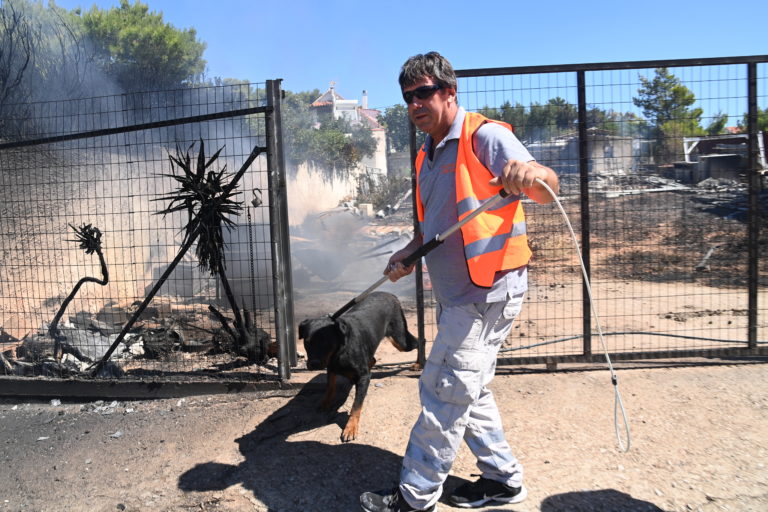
207, 196
367, 237
48, 347
115, 340
89, 239
168, 330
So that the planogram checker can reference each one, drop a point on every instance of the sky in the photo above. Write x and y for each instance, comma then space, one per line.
361, 45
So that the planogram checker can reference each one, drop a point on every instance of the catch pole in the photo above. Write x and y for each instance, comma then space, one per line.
424, 249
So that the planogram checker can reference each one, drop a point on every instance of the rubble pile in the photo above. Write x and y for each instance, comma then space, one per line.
332, 244
166, 330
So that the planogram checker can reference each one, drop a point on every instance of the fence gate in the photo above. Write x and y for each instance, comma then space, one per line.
669, 212
144, 244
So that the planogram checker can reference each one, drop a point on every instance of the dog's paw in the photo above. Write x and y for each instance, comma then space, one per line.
350, 430
348, 435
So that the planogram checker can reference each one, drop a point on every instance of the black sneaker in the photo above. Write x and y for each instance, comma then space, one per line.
392, 501
478, 493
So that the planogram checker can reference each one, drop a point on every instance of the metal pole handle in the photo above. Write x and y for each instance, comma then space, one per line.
425, 248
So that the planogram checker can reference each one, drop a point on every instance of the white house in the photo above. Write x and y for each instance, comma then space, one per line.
357, 113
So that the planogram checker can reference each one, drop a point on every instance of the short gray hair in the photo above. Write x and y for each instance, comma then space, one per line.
431, 65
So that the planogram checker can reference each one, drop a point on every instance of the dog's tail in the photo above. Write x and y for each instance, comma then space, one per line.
405, 342
411, 341
397, 330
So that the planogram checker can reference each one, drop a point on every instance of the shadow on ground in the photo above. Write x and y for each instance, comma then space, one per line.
286, 473
604, 500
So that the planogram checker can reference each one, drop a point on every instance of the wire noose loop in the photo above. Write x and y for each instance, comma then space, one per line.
618, 404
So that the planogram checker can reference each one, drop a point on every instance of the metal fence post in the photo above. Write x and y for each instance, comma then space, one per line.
584, 194
278, 229
753, 215
421, 355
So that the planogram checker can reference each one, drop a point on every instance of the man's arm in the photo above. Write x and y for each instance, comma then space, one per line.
512, 164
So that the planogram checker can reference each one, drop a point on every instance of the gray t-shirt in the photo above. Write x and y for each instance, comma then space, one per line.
494, 146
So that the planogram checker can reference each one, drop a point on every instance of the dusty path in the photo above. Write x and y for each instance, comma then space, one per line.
698, 443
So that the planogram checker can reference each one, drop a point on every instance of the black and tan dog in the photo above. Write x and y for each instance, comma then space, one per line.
347, 346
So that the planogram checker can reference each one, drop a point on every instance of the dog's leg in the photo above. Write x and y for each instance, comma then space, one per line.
330, 391
353, 423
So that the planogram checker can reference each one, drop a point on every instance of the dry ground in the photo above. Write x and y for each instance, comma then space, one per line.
698, 426
698, 443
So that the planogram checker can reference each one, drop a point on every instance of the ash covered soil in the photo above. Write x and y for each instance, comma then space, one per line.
697, 425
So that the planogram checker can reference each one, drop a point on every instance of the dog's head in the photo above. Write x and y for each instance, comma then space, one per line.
321, 339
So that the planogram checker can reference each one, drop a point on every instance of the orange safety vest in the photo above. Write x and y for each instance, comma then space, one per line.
496, 239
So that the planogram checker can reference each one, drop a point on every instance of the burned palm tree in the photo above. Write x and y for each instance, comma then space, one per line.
204, 194
89, 239
207, 197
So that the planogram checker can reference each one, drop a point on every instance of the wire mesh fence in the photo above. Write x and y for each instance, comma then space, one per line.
667, 202
119, 180
665, 199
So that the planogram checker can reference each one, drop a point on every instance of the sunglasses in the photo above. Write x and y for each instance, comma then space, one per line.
424, 92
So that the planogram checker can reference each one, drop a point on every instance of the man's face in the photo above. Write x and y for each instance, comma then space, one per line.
434, 114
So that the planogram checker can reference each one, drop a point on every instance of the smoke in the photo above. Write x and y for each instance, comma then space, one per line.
57, 86
113, 181
48, 58
337, 251
109, 181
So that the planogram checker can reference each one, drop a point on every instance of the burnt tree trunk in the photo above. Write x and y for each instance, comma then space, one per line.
53, 331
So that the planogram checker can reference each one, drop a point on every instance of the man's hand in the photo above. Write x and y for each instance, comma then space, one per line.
519, 177
395, 269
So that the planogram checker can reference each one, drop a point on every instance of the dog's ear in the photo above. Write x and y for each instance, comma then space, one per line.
304, 329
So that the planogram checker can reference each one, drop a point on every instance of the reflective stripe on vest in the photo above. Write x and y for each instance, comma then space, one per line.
496, 239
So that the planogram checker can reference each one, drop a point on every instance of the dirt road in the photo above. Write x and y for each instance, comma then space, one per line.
698, 443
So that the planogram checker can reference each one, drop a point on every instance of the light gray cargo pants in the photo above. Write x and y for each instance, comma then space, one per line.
456, 404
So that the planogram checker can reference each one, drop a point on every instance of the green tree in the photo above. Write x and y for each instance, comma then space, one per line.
563, 114
298, 125
397, 125
140, 50
489, 112
616, 123
335, 145
339, 145
539, 122
717, 125
664, 98
557, 117
516, 116
666, 103
630, 125
762, 121
542, 121
395, 122
42, 55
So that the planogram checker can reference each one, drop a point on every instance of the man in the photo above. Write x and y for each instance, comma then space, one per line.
479, 278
